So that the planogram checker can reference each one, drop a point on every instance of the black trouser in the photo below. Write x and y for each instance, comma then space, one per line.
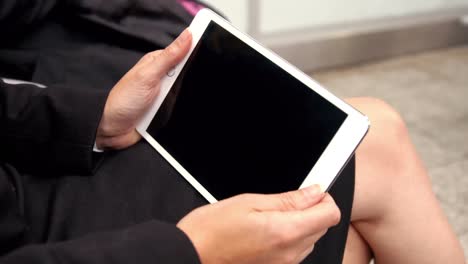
135, 185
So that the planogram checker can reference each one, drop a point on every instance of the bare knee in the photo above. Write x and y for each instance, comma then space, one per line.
383, 158
388, 139
385, 120
394, 197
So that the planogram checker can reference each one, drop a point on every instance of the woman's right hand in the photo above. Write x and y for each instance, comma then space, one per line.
253, 228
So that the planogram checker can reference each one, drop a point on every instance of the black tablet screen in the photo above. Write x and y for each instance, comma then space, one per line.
238, 123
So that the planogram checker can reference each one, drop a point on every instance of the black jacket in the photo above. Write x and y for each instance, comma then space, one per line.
53, 209
78, 49
51, 131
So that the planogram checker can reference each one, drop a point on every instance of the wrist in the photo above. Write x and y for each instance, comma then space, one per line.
199, 243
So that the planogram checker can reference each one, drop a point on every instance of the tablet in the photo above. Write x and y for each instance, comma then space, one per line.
235, 118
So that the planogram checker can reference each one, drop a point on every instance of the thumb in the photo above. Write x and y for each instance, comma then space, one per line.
154, 65
172, 54
292, 201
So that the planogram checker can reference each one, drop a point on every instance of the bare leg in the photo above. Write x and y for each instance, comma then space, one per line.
395, 214
357, 251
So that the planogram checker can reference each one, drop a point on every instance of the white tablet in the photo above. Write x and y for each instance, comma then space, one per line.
235, 118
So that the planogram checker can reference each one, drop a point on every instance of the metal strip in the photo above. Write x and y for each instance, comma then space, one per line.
253, 23
338, 45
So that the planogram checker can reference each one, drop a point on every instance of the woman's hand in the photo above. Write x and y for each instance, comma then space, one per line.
135, 92
258, 229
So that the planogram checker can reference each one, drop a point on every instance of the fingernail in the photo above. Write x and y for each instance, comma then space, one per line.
314, 190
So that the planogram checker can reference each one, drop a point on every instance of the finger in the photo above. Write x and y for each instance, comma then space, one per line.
118, 142
168, 58
313, 220
290, 201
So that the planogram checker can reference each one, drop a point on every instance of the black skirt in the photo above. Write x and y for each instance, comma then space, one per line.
137, 185
330, 248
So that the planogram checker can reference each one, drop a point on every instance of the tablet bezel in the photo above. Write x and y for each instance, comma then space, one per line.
338, 151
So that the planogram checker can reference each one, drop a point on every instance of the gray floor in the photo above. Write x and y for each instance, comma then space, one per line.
431, 92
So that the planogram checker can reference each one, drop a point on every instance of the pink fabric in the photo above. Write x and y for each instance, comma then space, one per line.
190, 6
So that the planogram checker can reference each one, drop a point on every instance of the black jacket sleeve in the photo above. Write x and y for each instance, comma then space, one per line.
49, 129
150, 242
54, 128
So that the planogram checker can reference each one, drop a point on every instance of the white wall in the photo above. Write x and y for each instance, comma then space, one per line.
280, 15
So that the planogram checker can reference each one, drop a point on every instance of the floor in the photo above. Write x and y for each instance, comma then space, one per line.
430, 90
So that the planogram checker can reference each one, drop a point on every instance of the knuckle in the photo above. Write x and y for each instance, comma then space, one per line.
139, 74
245, 196
245, 199
150, 56
333, 212
147, 57
171, 51
335, 215
288, 201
